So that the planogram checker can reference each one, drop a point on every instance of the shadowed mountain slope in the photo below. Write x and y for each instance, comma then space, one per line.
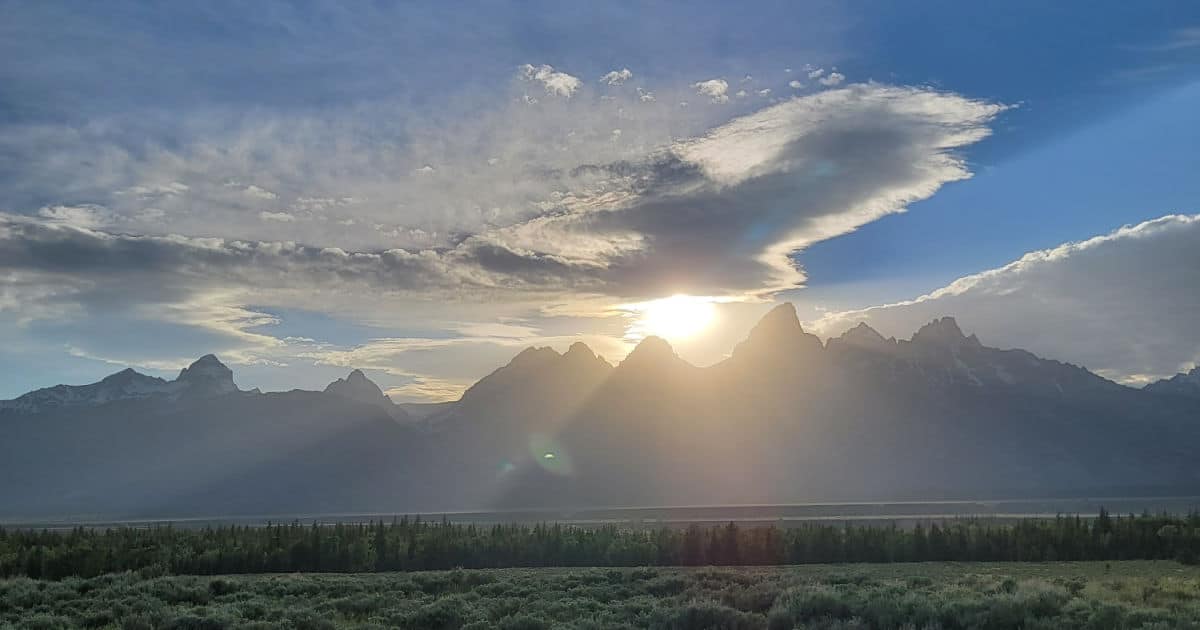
785, 418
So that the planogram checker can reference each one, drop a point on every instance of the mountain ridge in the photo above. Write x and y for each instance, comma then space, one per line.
207, 375
785, 418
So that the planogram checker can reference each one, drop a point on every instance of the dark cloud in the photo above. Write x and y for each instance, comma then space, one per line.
714, 215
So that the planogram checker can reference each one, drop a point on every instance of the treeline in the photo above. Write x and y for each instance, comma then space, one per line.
412, 544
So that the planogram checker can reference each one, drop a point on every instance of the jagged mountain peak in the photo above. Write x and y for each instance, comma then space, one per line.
579, 349
651, 349
356, 386
782, 315
862, 332
863, 337
1184, 383
534, 355
207, 360
124, 385
943, 331
779, 333
207, 376
207, 365
580, 353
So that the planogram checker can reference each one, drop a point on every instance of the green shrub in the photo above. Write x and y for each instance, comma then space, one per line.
443, 614
522, 622
708, 616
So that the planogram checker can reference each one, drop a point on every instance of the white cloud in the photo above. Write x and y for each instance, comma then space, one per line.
427, 389
154, 191
816, 74
555, 82
617, 77
1122, 304
714, 89
764, 92
276, 216
603, 218
645, 96
564, 215
84, 215
834, 78
740, 94
252, 191
259, 193
795, 85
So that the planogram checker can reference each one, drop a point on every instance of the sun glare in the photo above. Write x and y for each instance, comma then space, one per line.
674, 318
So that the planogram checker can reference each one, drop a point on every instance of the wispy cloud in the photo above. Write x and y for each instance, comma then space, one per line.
1185, 38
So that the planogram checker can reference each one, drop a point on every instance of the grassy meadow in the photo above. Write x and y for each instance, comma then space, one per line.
1102, 595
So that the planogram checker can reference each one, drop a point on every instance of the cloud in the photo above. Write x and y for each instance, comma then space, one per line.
795, 85
252, 191
85, 216
259, 193
714, 89
816, 74
834, 78
717, 213
1180, 39
427, 389
155, 191
1184, 38
617, 77
764, 92
682, 204
1122, 304
555, 82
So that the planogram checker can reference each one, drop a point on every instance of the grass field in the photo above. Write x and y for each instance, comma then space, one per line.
929, 595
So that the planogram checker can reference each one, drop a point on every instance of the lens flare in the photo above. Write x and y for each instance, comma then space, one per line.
550, 454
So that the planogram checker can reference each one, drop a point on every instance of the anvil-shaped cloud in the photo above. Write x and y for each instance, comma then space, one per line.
715, 214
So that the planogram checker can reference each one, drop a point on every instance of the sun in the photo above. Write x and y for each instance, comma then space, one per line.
674, 318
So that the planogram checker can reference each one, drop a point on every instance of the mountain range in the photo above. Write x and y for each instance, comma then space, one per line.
785, 418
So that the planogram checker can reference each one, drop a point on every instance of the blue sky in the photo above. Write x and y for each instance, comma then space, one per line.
422, 190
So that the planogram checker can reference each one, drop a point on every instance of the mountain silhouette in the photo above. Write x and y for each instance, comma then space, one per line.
1182, 384
786, 418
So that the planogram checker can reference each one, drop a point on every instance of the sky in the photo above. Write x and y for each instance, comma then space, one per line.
422, 190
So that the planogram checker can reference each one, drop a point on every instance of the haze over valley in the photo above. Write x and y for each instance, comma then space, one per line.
785, 419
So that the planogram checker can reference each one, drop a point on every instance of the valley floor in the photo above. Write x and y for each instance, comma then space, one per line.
1133, 594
